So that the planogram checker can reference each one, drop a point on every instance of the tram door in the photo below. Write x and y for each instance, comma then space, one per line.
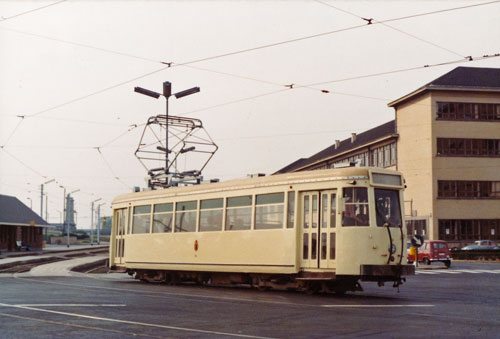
120, 220
318, 225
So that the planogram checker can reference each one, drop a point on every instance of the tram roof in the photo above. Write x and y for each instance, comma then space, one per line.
249, 183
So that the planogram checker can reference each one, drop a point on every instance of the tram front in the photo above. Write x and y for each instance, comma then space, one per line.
372, 238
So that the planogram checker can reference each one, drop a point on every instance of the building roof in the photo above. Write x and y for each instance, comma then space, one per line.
383, 131
460, 79
14, 212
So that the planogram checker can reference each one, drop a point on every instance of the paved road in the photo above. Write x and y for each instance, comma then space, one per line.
440, 304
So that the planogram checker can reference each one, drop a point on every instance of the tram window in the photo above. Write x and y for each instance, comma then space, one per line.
306, 211
315, 211
324, 211
211, 215
356, 207
291, 209
332, 246
387, 207
305, 246
239, 213
185, 216
269, 211
162, 218
333, 210
323, 246
314, 245
121, 221
142, 219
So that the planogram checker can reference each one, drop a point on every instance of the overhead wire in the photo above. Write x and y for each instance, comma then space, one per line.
98, 92
22, 163
30, 11
111, 168
253, 49
14, 131
172, 64
372, 21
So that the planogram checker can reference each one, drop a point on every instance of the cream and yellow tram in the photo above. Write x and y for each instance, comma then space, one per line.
321, 230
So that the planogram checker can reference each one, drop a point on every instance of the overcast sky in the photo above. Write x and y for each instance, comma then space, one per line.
69, 67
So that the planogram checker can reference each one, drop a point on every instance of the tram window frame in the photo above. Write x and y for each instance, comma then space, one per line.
189, 209
290, 216
140, 213
161, 211
213, 210
242, 207
358, 202
267, 207
384, 211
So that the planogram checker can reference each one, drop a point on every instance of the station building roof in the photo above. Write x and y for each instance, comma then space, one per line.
459, 79
14, 213
362, 139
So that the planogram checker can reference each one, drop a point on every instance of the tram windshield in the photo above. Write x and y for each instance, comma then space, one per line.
387, 207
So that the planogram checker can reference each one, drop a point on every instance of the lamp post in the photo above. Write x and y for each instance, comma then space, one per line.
64, 210
92, 222
41, 196
67, 215
167, 93
46, 205
98, 222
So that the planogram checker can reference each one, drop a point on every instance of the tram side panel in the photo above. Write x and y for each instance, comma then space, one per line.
257, 251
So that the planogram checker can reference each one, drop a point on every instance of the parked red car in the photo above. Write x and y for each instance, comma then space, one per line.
431, 251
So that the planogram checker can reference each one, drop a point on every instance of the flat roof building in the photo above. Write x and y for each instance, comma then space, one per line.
445, 139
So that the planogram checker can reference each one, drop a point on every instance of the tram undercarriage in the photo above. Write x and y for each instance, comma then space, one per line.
309, 282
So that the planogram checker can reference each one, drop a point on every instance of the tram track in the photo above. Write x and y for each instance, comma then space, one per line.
23, 266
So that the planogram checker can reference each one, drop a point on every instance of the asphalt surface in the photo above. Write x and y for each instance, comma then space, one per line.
461, 302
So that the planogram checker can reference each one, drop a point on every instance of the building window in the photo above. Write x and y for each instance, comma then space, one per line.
456, 147
467, 111
462, 189
469, 229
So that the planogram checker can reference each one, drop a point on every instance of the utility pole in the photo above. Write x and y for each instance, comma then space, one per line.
99, 222
92, 222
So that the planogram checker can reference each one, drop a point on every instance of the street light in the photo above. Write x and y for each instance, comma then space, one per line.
98, 222
167, 93
41, 196
67, 215
92, 222
46, 204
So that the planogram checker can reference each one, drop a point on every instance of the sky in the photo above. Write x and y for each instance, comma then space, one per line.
279, 80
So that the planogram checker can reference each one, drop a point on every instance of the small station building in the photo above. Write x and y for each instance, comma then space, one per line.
445, 139
20, 227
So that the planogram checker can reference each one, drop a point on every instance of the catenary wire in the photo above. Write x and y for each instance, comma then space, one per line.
371, 21
111, 169
171, 64
13, 132
30, 11
98, 91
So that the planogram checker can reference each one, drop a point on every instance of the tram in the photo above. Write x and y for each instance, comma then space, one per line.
315, 231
